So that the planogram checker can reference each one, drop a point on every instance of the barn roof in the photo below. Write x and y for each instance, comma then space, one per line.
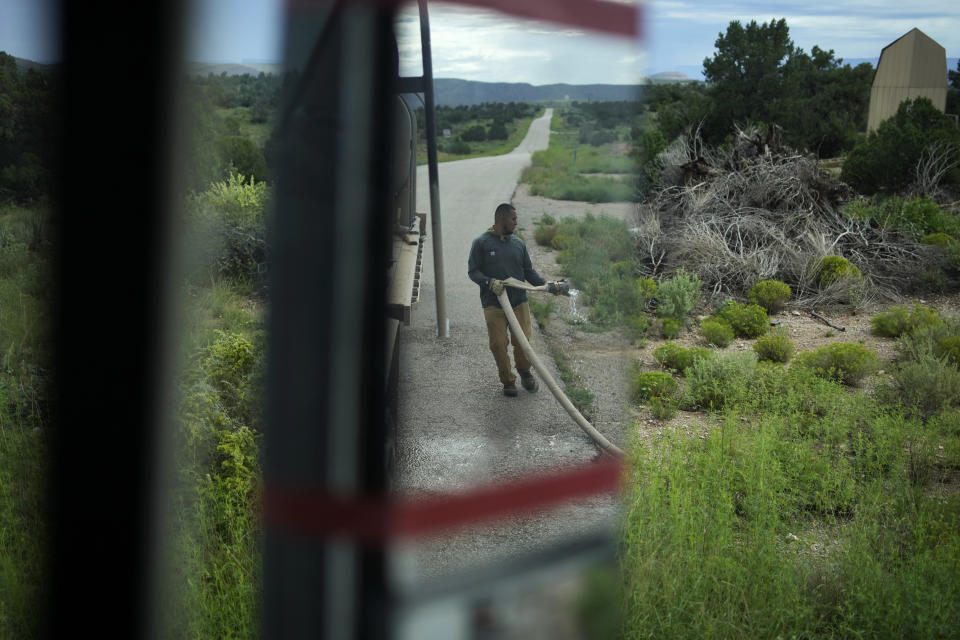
912, 60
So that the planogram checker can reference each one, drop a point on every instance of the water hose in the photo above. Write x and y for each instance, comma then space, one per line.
545, 375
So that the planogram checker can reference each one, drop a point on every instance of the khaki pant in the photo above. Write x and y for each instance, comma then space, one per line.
497, 330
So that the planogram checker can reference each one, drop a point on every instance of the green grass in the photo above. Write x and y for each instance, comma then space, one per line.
806, 511
24, 415
581, 397
568, 170
516, 132
22, 528
596, 254
213, 537
214, 541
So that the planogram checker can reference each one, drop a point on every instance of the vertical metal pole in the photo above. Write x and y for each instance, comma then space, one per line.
443, 324
326, 398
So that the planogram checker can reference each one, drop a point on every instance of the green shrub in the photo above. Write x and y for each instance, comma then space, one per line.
847, 362
544, 229
774, 347
679, 295
243, 156
647, 290
887, 158
614, 295
716, 331
457, 148
668, 352
227, 224
770, 294
900, 320
637, 327
498, 131
922, 317
240, 200
830, 269
670, 327
942, 240
476, 133
747, 321
920, 218
543, 234
623, 269
672, 356
546, 219
720, 379
229, 365
948, 348
892, 323
560, 242
653, 384
663, 407
597, 253
925, 340
926, 385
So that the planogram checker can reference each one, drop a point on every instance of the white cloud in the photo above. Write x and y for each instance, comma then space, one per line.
482, 45
565, 33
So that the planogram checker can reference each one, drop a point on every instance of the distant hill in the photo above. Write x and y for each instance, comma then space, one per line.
691, 71
232, 68
452, 91
23, 64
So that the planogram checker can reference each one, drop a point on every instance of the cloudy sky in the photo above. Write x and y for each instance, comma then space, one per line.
481, 45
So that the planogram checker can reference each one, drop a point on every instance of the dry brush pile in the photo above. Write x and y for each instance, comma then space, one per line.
759, 211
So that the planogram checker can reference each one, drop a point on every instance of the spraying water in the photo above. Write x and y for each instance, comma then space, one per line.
575, 315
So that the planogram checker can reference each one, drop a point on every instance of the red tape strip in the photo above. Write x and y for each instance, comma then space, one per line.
311, 512
598, 15
618, 18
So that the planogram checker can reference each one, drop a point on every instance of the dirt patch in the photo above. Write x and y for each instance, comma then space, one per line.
603, 359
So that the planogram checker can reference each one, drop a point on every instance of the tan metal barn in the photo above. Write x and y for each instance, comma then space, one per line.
914, 65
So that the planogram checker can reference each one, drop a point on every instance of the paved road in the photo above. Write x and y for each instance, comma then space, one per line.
456, 429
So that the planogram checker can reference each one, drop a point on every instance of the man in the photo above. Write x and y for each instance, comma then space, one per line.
495, 256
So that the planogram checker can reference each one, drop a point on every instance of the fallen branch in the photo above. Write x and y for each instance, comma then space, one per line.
824, 320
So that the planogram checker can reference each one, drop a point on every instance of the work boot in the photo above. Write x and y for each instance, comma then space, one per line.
528, 381
510, 389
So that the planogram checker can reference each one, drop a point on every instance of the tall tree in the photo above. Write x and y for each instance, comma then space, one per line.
758, 75
824, 104
745, 74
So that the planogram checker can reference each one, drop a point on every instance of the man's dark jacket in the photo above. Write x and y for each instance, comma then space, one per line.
493, 256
